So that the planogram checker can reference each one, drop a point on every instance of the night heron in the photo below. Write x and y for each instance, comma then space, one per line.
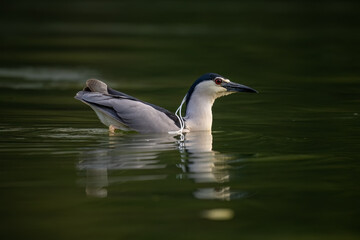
118, 110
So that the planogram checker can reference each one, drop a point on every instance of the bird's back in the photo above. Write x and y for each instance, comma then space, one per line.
126, 112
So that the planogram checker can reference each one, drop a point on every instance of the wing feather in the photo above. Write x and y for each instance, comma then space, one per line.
131, 112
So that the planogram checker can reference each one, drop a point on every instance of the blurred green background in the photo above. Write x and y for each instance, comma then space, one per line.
263, 41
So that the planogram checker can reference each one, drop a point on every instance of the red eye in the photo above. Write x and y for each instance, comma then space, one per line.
218, 81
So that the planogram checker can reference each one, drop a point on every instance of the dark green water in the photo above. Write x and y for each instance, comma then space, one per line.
282, 164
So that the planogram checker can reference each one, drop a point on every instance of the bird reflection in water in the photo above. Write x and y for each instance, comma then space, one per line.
129, 152
198, 162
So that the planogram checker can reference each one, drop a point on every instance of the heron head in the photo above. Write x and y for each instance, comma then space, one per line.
213, 85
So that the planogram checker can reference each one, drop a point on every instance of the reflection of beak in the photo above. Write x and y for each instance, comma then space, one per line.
236, 87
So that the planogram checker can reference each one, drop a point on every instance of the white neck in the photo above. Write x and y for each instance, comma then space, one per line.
198, 113
198, 110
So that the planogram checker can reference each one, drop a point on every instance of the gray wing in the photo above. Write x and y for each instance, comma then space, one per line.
129, 113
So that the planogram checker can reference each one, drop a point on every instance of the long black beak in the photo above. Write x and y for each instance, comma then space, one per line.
236, 87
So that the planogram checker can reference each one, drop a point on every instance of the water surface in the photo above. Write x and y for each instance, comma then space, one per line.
282, 164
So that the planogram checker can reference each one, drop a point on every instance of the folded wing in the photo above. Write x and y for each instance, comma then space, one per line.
126, 112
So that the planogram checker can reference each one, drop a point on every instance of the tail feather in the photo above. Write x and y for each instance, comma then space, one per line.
97, 86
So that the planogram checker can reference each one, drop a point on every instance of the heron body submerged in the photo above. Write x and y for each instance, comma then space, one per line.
118, 110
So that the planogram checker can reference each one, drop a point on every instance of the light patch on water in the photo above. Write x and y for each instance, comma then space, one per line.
218, 214
58, 133
44, 77
74, 133
81, 130
47, 74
